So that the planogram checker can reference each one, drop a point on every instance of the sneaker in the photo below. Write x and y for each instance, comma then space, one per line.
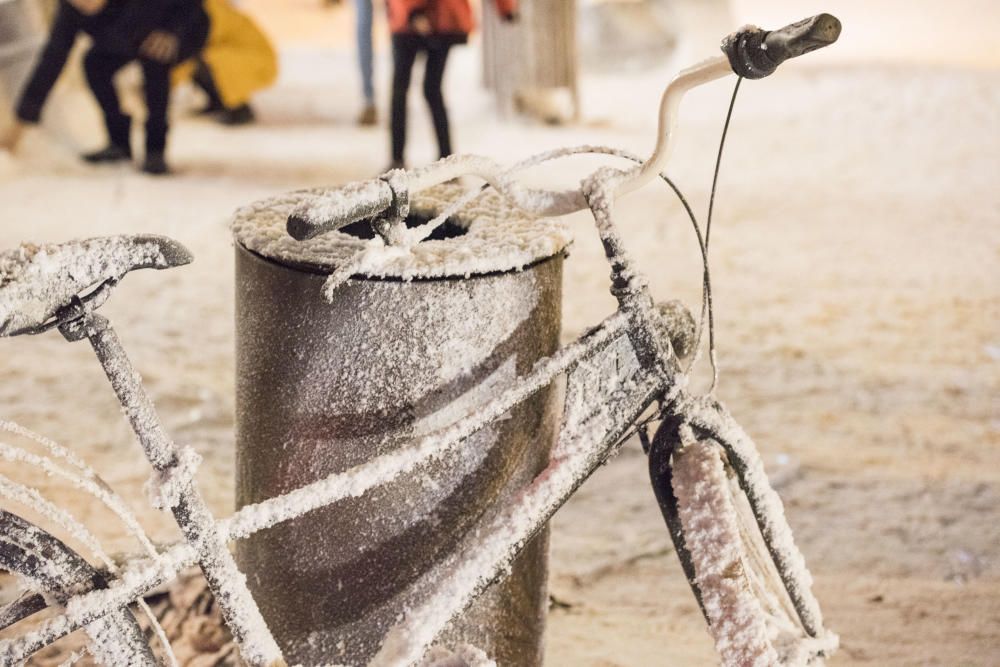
111, 153
155, 164
240, 115
368, 116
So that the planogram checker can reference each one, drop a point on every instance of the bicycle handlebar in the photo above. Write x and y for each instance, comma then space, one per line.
754, 53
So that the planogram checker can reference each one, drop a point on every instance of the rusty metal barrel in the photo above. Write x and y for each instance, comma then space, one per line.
413, 342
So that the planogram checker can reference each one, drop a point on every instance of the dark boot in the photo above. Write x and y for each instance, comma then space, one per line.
119, 148
109, 154
241, 115
155, 164
209, 110
368, 116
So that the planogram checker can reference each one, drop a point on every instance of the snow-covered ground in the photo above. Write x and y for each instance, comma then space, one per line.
857, 284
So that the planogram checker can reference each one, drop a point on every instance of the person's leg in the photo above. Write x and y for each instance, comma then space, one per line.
241, 114
203, 78
100, 69
365, 57
156, 82
404, 52
437, 57
156, 85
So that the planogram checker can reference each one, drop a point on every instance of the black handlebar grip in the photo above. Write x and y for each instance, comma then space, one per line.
754, 53
338, 208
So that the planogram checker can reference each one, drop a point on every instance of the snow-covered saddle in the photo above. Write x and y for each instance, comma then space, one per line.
36, 281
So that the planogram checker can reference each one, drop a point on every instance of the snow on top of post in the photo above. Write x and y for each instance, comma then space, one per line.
498, 237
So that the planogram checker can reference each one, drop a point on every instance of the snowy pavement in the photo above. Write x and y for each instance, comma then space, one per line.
855, 256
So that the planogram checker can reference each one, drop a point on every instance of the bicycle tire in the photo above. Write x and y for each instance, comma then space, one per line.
56, 570
751, 617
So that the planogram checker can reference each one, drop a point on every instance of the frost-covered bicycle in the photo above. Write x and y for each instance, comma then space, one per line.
726, 521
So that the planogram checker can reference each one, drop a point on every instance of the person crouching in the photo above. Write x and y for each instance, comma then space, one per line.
157, 33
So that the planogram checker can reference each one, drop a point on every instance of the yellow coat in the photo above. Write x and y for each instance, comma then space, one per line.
237, 52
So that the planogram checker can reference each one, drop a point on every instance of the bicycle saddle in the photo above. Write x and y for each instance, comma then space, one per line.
36, 281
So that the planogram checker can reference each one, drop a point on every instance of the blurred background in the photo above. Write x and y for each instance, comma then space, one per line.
856, 258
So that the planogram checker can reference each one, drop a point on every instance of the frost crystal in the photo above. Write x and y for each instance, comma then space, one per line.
164, 487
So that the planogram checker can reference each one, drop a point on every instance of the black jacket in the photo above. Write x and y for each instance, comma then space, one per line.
119, 29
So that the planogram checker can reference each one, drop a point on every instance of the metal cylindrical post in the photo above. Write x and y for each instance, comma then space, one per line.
323, 387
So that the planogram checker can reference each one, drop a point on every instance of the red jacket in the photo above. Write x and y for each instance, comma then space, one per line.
451, 18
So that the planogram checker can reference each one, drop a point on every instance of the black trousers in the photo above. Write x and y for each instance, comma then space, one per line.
101, 68
405, 48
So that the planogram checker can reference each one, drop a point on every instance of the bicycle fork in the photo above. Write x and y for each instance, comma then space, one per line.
706, 418
174, 483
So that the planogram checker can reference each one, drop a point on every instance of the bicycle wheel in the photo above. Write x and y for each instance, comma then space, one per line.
55, 572
751, 617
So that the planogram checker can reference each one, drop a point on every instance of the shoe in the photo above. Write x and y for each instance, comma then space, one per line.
210, 110
368, 116
111, 153
240, 115
155, 164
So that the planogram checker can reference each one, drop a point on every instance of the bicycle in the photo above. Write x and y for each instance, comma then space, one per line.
726, 522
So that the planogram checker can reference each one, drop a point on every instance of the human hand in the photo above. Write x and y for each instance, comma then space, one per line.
161, 46
421, 24
88, 7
